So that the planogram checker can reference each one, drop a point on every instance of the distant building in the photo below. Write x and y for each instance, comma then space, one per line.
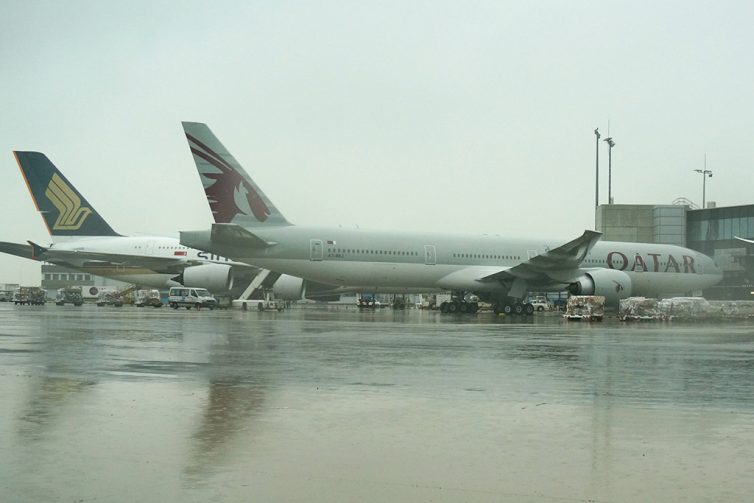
54, 277
643, 223
712, 231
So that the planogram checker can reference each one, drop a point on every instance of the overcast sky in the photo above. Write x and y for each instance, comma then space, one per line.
459, 116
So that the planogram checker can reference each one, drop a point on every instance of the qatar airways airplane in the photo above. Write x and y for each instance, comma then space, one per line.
249, 228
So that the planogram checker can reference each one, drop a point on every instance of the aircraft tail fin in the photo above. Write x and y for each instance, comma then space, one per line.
232, 195
65, 211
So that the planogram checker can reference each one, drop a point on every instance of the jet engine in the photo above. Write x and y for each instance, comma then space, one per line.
289, 288
613, 285
214, 277
293, 288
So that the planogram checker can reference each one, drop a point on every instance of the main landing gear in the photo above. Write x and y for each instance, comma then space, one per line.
459, 304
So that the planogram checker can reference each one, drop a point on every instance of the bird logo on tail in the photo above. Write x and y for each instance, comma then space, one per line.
71, 215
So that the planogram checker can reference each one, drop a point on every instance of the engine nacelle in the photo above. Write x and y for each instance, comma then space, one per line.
293, 288
289, 288
216, 278
611, 284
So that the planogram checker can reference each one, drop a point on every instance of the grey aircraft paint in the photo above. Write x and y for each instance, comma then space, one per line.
250, 229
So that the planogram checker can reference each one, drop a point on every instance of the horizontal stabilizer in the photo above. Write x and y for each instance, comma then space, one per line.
236, 236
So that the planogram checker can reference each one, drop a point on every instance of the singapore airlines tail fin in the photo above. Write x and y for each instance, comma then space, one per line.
65, 211
232, 195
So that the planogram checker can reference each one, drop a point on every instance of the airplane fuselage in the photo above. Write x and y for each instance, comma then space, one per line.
131, 259
406, 262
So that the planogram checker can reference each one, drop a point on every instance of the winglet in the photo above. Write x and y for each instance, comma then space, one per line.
572, 253
36, 250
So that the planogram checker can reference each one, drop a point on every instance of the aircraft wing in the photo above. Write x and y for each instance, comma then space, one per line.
750, 241
18, 249
78, 258
559, 265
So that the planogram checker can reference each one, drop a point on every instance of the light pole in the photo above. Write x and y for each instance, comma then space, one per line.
597, 172
610, 144
706, 173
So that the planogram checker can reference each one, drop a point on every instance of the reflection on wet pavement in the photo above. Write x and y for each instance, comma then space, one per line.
318, 405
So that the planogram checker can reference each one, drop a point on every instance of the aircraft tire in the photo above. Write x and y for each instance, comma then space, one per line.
529, 309
507, 309
452, 307
463, 307
518, 308
473, 308
444, 307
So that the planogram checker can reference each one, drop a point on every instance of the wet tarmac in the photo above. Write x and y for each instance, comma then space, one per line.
127, 404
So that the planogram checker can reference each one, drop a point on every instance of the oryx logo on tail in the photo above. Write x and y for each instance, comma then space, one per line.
71, 215
228, 194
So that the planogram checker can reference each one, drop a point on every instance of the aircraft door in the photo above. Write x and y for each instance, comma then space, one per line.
149, 248
430, 255
316, 250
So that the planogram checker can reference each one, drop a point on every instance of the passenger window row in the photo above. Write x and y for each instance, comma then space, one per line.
374, 252
486, 256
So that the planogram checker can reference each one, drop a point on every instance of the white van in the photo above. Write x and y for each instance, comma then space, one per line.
182, 296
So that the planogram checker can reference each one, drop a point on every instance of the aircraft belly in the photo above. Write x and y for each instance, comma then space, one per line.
361, 274
152, 280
